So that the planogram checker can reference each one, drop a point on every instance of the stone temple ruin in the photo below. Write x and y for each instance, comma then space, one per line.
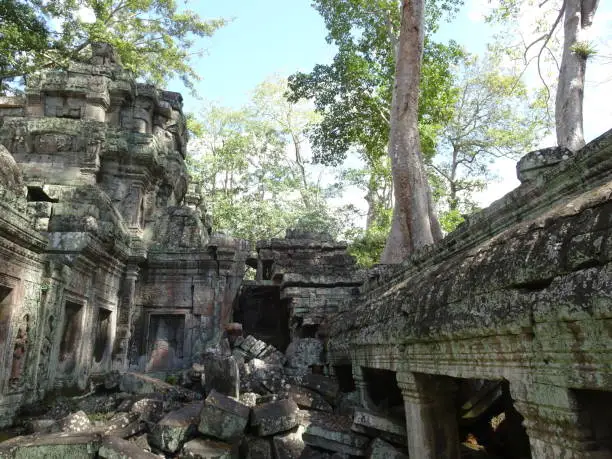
127, 329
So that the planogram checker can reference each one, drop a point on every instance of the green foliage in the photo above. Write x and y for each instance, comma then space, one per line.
584, 49
254, 169
494, 116
367, 245
154, 38
23, 33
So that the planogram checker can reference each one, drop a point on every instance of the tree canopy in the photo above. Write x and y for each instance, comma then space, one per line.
154, 38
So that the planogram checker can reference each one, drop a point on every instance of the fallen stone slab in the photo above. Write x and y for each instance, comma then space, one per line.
307, 398
42, 426
274, 417
325, 386
175, 428
333, 433
304, 352
248, 398
148, 409
310, 452
221, 374
375, 425
255, 448
138, 383
223, 417
118, 448
289, 445
75, 422
200, 448
60, 445
380, 449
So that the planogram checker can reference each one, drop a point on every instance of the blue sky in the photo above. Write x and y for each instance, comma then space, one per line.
268, 37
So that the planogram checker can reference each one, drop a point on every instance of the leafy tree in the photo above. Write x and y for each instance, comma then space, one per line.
255, 169
153, 38
577, 18
23, 32
494, 116
354, 93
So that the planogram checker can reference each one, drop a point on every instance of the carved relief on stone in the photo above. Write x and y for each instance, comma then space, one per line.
45, 349
20, 347
54, 143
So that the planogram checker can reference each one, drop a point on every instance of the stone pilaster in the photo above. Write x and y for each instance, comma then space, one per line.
125, 318
554, 422
431, 419
361, 386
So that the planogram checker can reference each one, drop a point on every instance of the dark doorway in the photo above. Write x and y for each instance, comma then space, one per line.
102, 334
71, 334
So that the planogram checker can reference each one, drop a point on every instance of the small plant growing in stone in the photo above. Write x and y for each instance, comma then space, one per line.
584, 49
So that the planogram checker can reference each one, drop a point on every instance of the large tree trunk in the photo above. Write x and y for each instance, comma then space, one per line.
414, 222
570, 91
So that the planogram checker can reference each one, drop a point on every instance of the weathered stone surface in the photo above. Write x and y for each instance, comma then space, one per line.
274, 417
308, 399
76, 422
175, 428
221, 374
249, 399
138, 383
43, 426
334, 433
325, 386
289, 445
255, 448
537, 162
117, 448
222, 417
374, 424
148, 409
380, 449
207, 449
304, 352
52, 446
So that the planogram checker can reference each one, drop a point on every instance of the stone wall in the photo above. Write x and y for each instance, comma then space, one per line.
521, 292
109, 262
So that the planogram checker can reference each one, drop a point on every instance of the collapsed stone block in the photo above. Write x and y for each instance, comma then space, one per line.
52, 446
380, 449
255, 448
75, 422
222, 417
124, 425
305, 352
325, 386
248, 398
149, 409
289, 445
308, 399
274, 417
221, 374
118, 448
138, 383
199, 448
374, 425
175, 428
334, 433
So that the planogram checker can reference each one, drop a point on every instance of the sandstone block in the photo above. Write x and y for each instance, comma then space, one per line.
274, 417
175, 428
255, 448
308, 399
52, 446
117, 448
221, 374
148, 409
325, 386
380, 449
375, 425
334, 433
222, 417
75, 422
199, 448
289, 445
302, 353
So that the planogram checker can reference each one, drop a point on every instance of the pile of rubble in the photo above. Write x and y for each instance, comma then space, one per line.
259, 403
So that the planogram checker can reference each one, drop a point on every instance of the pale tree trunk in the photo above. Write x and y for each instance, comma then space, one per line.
570, 91
414, 221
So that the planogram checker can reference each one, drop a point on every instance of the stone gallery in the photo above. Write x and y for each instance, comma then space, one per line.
128, 331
